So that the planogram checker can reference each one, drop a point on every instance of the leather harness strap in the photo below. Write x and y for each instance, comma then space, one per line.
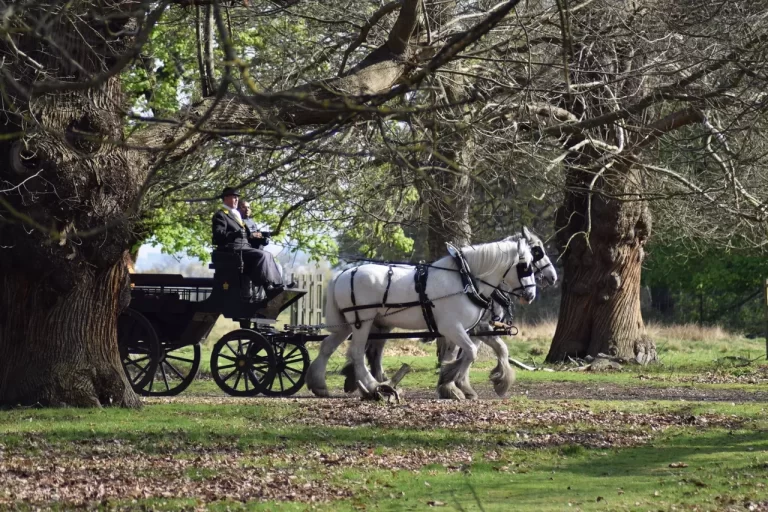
358, 323
420, 284
422, 271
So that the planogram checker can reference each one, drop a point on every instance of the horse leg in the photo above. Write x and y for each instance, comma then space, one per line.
447, 351
374, 353
451, 371
503, 375
462, 381
356, 357
316, 373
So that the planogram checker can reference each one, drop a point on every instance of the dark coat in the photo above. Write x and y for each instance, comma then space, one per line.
256, 243
228, 233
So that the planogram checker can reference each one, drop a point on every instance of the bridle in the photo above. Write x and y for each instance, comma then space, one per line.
524, 269
538, 254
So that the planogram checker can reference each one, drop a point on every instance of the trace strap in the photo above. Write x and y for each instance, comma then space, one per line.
422, 271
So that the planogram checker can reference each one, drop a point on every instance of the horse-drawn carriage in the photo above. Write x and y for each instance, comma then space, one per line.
160, 333
169, 315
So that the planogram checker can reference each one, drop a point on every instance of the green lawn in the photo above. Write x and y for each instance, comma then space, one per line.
205, 450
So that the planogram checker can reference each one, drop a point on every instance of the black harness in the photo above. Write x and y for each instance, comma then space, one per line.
420, 284
468, 280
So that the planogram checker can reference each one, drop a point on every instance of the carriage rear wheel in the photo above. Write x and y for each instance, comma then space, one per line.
291, 365
176, 370
139, 345
241, 361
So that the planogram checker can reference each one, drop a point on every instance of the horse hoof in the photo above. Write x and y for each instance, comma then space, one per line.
320, 392
349, 385
449, 392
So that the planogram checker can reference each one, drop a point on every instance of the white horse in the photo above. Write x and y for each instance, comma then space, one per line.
546, 275
495, 265
502, 376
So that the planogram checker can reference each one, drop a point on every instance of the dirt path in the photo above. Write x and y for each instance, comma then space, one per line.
571, 391
598, 391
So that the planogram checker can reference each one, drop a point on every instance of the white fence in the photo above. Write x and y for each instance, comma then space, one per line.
308, 310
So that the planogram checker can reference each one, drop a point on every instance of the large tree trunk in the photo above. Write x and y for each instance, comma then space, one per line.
61, 348
600, 304
62, 273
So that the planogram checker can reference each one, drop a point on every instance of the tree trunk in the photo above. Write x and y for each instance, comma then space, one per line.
62, 349
600, 304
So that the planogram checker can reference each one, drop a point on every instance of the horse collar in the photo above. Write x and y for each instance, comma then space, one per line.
468, 280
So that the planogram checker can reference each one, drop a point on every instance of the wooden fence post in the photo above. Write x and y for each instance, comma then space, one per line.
766, 318
308, 310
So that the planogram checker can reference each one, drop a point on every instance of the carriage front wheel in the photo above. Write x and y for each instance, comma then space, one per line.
241, 361
291, 365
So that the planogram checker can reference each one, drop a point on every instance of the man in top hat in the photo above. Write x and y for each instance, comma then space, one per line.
230, 234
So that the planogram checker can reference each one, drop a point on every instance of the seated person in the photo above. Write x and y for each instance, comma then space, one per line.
256, 237
230, 234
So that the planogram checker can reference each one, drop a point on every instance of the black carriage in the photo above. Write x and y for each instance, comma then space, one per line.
160, 333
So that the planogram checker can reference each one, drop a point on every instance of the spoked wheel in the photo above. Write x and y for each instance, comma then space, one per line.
241, 361
139, 346
291, 365
176, 370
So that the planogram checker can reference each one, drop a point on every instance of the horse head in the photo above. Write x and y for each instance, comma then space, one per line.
544, 270
523, 280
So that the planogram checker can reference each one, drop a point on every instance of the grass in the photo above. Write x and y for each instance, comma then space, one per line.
465, 466
206, 450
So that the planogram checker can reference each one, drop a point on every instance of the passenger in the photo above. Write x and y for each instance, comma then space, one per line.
256, 238
230, 234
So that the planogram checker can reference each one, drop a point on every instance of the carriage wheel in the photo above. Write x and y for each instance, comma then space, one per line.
176, 370
241, 360
139, 346
291, 365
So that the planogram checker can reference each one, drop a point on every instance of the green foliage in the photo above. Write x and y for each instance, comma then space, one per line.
178, 230
711, 286
678, 267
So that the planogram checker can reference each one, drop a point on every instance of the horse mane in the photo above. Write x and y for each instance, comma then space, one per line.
485, 259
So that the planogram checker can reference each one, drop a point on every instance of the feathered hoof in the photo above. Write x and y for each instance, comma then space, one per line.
350, 384
502, 383
449, 392
320, 392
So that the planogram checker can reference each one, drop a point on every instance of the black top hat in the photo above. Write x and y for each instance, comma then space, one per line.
229, 191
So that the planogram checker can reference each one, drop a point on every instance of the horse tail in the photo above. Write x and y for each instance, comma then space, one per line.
333, 314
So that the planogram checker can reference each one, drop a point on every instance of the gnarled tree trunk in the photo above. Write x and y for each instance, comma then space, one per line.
600, 304
61, 348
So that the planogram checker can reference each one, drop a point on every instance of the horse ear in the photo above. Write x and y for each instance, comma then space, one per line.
527, 234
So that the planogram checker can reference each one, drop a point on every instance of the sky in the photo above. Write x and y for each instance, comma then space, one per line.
152, 258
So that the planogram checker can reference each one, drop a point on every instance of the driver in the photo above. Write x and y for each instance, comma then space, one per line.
230, 234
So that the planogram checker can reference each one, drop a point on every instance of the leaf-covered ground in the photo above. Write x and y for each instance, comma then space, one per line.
691, 434
344, 454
